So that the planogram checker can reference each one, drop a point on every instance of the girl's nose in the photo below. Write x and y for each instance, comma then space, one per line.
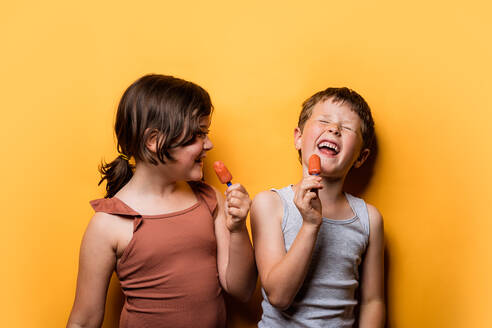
207, 145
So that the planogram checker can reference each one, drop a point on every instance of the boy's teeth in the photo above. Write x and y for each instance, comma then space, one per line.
329, 145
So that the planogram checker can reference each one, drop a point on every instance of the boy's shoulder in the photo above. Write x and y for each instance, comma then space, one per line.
267, 198
375, 219
274, 197
373, 212
370, 216
267, 204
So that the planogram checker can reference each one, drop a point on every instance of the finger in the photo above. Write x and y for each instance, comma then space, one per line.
305, 197
237, 194
237, 187
239, 203
306, 201
310, 185
236, 212
233, 202
310, 196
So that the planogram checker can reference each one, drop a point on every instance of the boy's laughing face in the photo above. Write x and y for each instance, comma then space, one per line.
334, 132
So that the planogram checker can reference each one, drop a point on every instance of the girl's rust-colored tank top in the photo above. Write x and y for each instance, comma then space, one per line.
168, 271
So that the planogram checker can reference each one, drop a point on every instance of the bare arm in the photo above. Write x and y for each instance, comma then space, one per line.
96, 264
237, 270
282, 273
372, 309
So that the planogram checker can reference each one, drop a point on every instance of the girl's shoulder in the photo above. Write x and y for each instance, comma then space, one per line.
112, 224
113, 206
206, 192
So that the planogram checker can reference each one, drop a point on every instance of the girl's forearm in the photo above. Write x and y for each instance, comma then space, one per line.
241, 274
72, 324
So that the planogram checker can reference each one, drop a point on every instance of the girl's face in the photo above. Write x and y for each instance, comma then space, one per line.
189, 159
334, 133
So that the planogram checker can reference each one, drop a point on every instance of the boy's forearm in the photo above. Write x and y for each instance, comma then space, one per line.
241, 269
372, 314
286, 278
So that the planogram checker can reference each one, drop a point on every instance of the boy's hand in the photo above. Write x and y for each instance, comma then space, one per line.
237, 207
307, 200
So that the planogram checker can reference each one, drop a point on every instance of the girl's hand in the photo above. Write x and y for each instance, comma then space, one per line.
307, 200
236, 207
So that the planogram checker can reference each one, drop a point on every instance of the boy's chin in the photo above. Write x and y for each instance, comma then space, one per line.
331, 176
335, 173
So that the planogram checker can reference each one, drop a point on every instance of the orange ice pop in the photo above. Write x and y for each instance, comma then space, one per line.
223, 173
314, 165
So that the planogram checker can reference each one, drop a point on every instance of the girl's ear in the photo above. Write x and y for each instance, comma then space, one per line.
151, 140
364, 154
297, 138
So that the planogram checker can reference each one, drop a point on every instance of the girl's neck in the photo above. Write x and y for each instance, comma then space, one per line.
151, 192
149, 181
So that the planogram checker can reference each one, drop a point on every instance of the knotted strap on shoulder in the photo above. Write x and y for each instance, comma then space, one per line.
115, 206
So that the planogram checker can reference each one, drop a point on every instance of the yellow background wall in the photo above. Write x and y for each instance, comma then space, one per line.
423, 66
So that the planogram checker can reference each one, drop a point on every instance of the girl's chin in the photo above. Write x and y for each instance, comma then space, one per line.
196, 175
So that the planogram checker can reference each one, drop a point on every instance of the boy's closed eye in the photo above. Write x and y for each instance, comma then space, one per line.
343, 126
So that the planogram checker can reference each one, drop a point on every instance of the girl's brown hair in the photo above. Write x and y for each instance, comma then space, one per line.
159, 106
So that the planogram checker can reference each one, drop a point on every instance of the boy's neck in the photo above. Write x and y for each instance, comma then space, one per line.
333, 201
332, 191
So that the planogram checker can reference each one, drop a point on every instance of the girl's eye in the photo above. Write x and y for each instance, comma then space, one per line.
347, 128
202, 134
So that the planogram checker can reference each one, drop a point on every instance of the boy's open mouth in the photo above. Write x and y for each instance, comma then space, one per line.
328, 147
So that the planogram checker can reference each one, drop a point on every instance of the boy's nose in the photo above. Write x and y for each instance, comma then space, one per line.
334, 128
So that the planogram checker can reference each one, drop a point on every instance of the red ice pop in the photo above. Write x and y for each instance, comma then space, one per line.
314, 165
223, 173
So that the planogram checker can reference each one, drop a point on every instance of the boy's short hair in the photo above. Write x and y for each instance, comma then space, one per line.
340, 96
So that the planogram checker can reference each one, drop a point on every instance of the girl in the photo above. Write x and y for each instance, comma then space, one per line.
172, 239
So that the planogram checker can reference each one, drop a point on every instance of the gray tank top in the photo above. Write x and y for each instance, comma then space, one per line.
328, 296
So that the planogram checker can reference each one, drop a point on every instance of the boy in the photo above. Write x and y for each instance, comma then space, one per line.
310, 238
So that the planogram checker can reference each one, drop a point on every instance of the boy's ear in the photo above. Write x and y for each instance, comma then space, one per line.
297, 138
364, 154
